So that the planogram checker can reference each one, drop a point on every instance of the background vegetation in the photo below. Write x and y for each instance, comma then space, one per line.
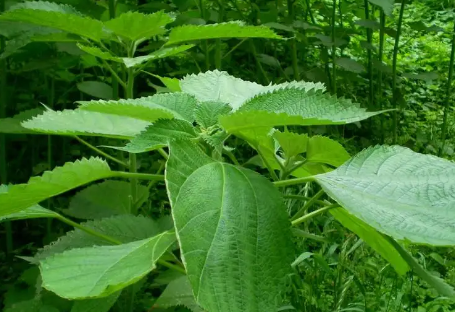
380, 53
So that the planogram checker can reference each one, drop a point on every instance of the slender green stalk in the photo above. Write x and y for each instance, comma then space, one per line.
294, 181
293, 42
3, 159
307, 205
112, 6
139, 176
172, 266
101, 152
218, 52
115, 90
313, 214
394, 72
258, 63
448, 91
163, 153
50, 86
334, 67
380, 55
369, 57
268, 166
114, 74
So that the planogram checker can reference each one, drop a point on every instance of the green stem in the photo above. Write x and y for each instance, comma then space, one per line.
172, 266
114, 74
258, 63
313, 214
100, 151
448, 91
394, 72
112, 5
50, 86
268, 166
380, 55
231, 157
139, 176
293, 42
294, 181
369, 57
334, 67
163, 153
307, 205
218, 52
112, 14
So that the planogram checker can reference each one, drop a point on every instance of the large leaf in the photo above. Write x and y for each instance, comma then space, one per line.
327, 151
124, 228
386, 5
159, 135
235, 29
96, 89
83, 122
404, 194
235, 238
374, 239
105, 199
219, 86
102, 270
151, 108
178, 293
96, 305
52, 183
155, 55
59, 19
291, 143
134, 25
207, 113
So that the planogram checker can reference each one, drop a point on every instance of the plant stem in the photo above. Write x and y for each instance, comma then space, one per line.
112, 14
258, 63
380, 55
448, 89
293, 42
50, 86
100, 151
334, 67
268, 166
370, 61
394, 72
140, 176
114, 74
163, 153
112, 6
307, 205
313, 214
172, 266
218, 56
294, 181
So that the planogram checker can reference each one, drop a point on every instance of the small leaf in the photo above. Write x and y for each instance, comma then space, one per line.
88, 272
368, 24
386, 5
99, 53
96, 305
423, 76
328, 42
207, 113
52, 183
327, 151
13, 125
400, 193
155, 55
381, 66
178, 293
134, 25
159, 135
350, 65
96, 89
292, 144
83, 122
105, 199
234, 29
232, 267
33, 212
173, 84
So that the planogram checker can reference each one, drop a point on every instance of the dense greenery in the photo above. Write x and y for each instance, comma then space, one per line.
227, 155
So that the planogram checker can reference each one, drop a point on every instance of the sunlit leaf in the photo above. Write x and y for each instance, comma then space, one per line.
327, 151
158, 54
96, 305
178, 293
292, 144
207, 113
99, 53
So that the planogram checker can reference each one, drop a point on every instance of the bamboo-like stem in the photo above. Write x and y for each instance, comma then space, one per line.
448, 93
50, 86
394, 72
293, 42
218, 52
293, 181
334, 67
123, 164
313, 214
112, 14
380, 55
258, 63
369, 57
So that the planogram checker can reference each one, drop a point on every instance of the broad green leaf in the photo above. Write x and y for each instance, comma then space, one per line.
173, 84
105, 199
232, 267
292, 144
178, 293
159, 135
185, 157
207, 113
46, 6
219, 86
96, 89
134, 25
151, 108
327, 151
89, 272
99, 53
350, 65
400, 193
373, 238
158, 54
385, 5
52, 183
13, 125
234, 29
124, 228
33, 212
84, 122
96, 305
73, 23
32, 305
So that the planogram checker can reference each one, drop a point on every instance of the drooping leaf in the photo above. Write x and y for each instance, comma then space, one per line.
155, 55
178, 293
327, 151
234, 29
134, 25
96, 305
350, 65
105, 199
400, 193
151, 108
207, 113
232, 267
124, 228
63, 20
33, 212
13, 125
96, 89
173, 84
374, 239
292, 144
159, 135
84, 122
219, 86
88, 272
385, 5
52, 183
99, 53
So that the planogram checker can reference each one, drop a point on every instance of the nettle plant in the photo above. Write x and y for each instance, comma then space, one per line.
229, 238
